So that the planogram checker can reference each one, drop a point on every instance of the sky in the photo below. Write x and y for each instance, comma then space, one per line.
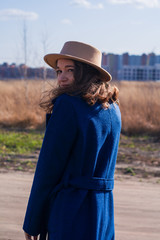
113, 26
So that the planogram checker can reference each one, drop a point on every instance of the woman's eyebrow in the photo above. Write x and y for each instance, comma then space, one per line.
67, 66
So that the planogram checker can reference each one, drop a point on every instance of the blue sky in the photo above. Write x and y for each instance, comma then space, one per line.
113, 26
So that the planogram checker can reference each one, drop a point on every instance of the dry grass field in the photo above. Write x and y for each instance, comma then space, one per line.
139, 103
140, 107
19, 103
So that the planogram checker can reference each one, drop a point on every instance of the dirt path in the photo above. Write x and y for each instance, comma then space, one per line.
137, 207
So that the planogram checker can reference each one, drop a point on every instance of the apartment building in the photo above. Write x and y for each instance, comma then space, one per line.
140, 73
132, 67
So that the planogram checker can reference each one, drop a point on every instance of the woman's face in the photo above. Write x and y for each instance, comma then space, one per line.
65, 72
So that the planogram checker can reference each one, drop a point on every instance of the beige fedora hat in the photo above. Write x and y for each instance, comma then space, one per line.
80, 52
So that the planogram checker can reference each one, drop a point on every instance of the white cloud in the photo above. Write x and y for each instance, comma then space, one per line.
86, 4
8, 14
138, 3
66, 21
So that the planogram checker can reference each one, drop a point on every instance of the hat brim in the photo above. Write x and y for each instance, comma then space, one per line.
51, 60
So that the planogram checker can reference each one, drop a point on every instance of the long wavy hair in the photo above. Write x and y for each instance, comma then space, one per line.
88, 84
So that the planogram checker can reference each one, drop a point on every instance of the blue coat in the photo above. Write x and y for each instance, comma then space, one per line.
74, 178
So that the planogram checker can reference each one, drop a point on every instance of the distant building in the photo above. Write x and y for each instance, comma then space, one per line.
132, 67
144, 59
157, 59
112, 61
21, 71
141, 73
151, 59
104, 59
125, 59
134, 60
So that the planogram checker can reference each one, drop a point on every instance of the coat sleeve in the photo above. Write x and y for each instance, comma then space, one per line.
56, 148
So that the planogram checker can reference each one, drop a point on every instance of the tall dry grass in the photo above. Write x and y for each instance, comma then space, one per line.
139, 103
19, 103
140, 107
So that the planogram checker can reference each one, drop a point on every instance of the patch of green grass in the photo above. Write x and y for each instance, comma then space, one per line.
12, 142
129, 145
148, 148
28, 164
158, 181
130, 170
19, 168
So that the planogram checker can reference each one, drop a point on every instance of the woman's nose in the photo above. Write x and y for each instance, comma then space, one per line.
62, 77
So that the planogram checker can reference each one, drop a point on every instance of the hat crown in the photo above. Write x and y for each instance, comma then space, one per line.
83, 51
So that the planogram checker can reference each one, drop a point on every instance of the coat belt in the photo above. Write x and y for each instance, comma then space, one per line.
88, 183
82, 182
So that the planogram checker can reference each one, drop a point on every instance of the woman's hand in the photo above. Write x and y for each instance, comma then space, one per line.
29, 237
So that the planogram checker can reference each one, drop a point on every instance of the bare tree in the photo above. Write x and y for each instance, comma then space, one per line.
25, 50
45, 44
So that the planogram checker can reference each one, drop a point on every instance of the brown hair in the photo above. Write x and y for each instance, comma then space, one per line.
88, 84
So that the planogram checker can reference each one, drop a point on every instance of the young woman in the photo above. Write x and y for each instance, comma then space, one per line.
71, 196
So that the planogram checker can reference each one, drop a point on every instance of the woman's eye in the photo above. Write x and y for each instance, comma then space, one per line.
58, 71
70, 70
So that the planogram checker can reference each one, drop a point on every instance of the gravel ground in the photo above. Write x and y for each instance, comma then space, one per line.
137, 208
